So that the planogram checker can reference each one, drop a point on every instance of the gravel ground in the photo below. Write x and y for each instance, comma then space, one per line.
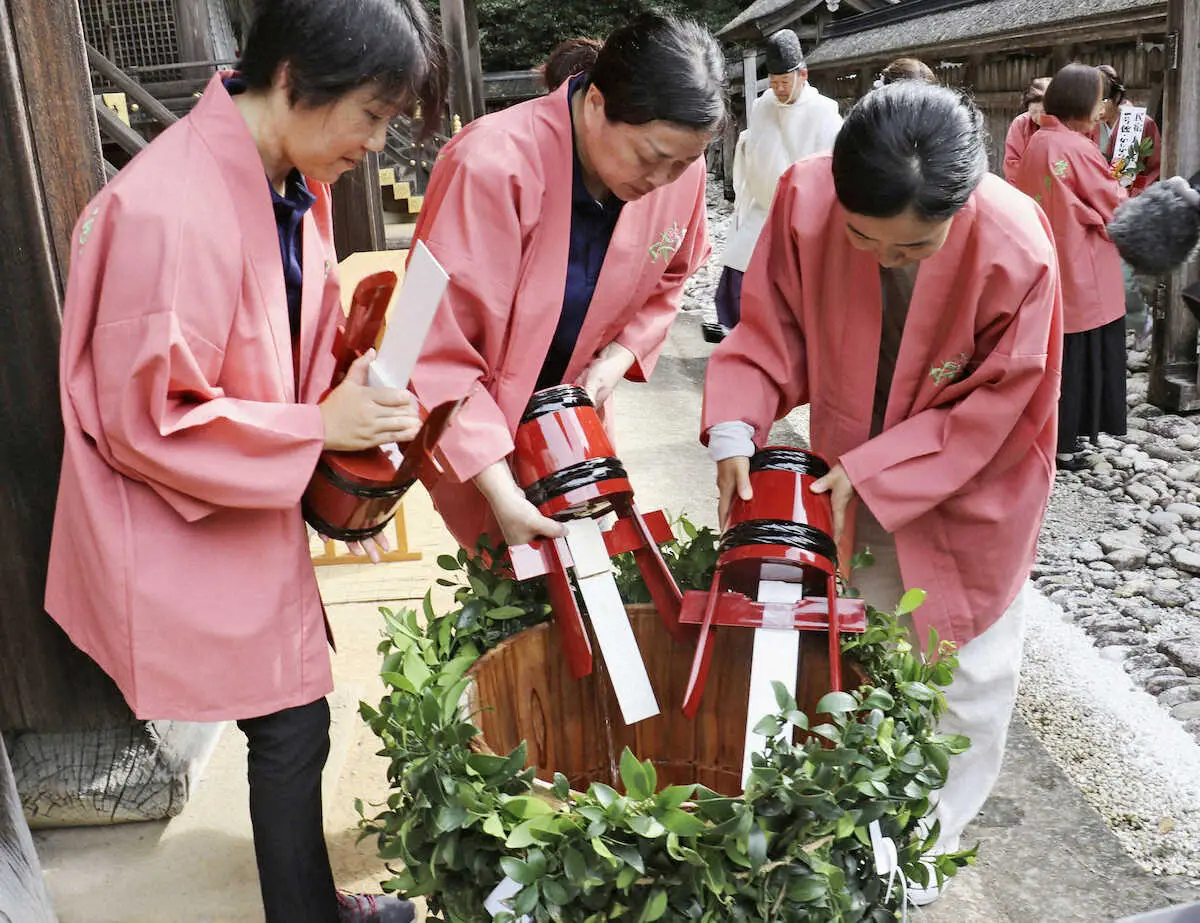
1112, 684
1111, 680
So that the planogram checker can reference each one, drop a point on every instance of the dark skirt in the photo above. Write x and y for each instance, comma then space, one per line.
1093, 385
729, 298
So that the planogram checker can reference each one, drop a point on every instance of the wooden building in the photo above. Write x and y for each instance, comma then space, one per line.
995, 48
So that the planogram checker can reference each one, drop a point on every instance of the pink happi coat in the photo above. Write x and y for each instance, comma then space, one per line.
179, 559
962, 470
1020, 131
497, 215
1069, 178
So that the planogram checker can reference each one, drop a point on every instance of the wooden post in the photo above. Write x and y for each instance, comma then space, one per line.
358, 210
1173, 367
57, 97
749, 80
52, 155
460, 26
22, 889
204, 33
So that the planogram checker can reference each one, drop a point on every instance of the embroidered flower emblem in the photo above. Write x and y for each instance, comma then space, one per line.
1060, 169
85, 229
950, 370
668, 243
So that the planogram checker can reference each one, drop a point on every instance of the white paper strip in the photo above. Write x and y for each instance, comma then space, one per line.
776, 658
497, 901
610, 623
421, 292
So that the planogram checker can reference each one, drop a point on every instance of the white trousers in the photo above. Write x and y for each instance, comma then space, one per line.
979, 703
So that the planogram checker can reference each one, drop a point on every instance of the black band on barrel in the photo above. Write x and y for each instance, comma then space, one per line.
560, 397
361, 490
582, 474
795, 460
779, 532
342, 535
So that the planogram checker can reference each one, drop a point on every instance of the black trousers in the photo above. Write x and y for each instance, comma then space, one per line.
287, 751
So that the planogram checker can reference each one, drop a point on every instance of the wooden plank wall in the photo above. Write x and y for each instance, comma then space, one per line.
997, 81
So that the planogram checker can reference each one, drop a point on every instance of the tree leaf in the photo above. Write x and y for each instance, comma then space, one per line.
836, 703
447, 562
634, 777
910, 601
518, 871
655, 907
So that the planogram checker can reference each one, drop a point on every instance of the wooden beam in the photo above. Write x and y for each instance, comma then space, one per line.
130, 87
1173, 367
22, 889
460, 27
358, 210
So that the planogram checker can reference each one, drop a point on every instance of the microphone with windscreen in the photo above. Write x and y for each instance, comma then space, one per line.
1158, 230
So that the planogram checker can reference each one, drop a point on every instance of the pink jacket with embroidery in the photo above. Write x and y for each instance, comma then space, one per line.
497, 215
962, 470
179, 559
1069, 178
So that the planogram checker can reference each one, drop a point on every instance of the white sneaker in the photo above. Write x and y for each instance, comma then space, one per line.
923, 896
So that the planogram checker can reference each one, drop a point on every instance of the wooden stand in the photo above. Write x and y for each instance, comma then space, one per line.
524, 691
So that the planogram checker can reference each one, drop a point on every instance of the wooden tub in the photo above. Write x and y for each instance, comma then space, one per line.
524, 691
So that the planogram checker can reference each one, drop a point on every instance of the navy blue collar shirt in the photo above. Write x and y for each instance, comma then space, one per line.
290, 208
592, 225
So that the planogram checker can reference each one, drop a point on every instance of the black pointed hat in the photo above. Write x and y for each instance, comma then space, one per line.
783, 52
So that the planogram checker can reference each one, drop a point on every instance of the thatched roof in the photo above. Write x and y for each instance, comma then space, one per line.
975, 24
756, 10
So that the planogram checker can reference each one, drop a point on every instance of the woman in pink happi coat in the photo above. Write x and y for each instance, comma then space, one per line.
912, 300
1115, 99
196, 355
1069, 178
568, 226
1024, 125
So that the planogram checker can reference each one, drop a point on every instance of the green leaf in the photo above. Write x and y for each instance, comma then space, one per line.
769, 726
574, 865
638, 784
757, 848
447, 562
786, 701
655, 907
493, 826
606, 795
518, 871
630, 856
626, 877
836, 703
910, 601
501, 613
682, 823
524, 808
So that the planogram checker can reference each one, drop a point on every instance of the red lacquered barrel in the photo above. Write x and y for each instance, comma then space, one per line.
563, 458
353, 495
784, 523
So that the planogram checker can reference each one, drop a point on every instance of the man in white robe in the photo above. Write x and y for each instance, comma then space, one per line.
789, 121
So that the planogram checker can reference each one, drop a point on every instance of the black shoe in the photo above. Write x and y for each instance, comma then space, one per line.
713, 333
1076, 462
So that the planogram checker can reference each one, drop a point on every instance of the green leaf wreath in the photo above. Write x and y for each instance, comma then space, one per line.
794, 847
